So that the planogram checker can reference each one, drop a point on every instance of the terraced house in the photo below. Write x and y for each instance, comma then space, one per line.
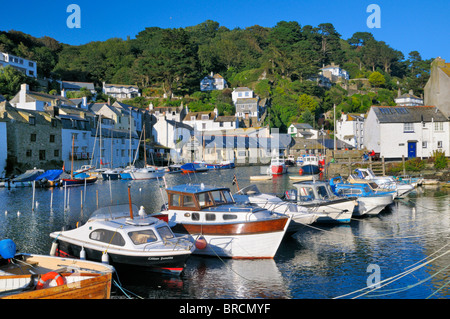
33, 138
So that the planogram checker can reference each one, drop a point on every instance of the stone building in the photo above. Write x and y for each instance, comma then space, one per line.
34, 138
437, 89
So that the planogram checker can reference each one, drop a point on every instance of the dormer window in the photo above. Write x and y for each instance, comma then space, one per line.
192, 118
32, 120
205, 117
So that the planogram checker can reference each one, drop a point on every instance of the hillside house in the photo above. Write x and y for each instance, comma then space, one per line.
213, 82
121, 91
27, 67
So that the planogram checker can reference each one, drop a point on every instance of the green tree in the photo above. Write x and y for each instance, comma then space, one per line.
10, 81
376, 79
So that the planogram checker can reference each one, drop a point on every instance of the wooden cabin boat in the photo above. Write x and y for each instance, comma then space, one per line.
220, 227
28, 276
125, 238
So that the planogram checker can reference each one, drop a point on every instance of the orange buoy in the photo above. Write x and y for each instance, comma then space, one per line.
200, 243
300, 171
50, 276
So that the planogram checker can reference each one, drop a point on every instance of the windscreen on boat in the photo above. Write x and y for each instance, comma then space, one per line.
250, 190
113, 212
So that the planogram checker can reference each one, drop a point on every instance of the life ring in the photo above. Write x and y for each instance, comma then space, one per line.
50, 276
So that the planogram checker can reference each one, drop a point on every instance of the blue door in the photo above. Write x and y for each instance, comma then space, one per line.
412, 149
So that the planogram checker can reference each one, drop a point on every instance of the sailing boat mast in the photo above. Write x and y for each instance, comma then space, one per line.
73, 143
130, 136
145, 150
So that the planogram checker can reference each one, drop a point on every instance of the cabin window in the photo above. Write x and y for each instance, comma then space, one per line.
306, 194
229, 216
218, 197
165, 233
175, 200
322, 192
142, 236
108, 237
188, 201
195, 216
210, 217
205, 200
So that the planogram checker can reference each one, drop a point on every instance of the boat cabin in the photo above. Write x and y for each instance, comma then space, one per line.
197, 203
110, 225
308, 191
197, 197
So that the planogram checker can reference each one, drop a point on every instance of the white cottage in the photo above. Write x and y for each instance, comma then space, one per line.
409, 131
213, 82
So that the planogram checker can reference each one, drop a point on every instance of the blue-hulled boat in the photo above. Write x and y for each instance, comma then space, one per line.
369, 201
193, 167
310, 165
221, 165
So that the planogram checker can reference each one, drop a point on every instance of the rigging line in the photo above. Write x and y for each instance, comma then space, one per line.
390, 280
444, 285
398, 290
428, 256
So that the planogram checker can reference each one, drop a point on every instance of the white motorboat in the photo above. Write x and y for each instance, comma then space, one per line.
300, 216
148, 172
318, 197
277, 166
369, 201
125, 238
221, 227
385, 182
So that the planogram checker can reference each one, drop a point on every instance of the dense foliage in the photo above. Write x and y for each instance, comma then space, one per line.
276, 62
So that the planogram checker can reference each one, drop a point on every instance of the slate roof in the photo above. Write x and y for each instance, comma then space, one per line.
408, 114
71, 85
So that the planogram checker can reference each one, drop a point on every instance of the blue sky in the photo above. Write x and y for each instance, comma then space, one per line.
405, 25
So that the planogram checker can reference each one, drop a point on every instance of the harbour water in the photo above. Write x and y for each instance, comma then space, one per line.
406, 246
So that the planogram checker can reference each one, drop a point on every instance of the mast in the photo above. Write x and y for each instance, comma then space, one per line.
71, 169
145, 151
130, 138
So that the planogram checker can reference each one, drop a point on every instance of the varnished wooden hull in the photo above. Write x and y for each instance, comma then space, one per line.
98, 287
241, 240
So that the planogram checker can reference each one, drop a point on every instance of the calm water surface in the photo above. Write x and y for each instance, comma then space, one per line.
409, 240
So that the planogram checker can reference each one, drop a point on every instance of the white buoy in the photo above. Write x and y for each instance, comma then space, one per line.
18, 213
53, 249
6, 212
105, 258
83, 254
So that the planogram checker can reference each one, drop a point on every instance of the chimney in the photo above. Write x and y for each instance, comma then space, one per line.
411, 92
84, 102
63, 93
216, 111
150, 106
24, 89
